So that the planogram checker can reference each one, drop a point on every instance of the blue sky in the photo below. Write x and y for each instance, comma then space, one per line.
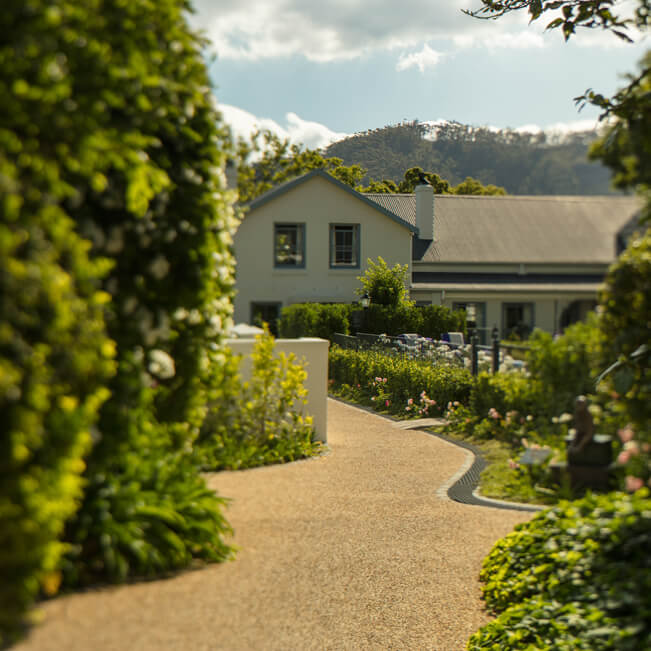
315, 71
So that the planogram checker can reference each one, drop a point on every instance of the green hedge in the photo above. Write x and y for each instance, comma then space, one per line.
121, 137
314, 320
405, 379
54, 360
323, 320
577, 576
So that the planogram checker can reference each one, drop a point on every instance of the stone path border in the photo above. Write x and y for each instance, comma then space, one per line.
463, 486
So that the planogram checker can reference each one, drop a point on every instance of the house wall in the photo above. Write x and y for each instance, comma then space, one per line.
317, 203
547, 307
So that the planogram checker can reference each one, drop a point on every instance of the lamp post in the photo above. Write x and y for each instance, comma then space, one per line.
471, 321
495, 336
357, 316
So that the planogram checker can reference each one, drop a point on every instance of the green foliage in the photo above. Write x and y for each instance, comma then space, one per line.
406, 379
314, 320
257, 422
568, 365
507, 392
155, 516
625, 325
54, 360
521, 163
385, 286
577, 576
109, 104
438, 319
428, 321
592, 14
323, 320
266, 161
626, 145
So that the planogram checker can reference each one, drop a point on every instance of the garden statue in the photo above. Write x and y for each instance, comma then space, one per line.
589, 455
583, 424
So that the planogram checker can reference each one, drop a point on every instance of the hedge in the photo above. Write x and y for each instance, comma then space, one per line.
405, 378
323, 320
54, 360
116, 142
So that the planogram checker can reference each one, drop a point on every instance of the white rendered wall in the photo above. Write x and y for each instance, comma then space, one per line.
314, 353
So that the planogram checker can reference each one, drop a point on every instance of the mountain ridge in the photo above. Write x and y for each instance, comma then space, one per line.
524, 163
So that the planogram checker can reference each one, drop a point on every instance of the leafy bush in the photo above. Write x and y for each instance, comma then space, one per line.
438, 319
626, 326
54, 361
577, 576
385, 286
568, 365
405, 379
124, 132
314, 320
257, 422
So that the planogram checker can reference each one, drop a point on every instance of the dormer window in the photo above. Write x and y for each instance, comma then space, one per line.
289, 246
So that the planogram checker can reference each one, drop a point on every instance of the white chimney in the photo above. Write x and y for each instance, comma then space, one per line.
425, 211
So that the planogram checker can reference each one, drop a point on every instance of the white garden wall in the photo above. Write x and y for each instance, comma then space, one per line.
314, 353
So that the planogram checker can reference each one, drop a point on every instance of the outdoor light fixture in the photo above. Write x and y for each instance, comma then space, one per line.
471, 313
365, 300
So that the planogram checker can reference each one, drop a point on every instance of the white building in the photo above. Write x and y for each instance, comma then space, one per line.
524, 261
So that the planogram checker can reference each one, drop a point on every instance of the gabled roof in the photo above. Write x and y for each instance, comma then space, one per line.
290, 185
514, 229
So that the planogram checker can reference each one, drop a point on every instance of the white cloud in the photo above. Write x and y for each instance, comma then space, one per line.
426, 58
343, 29
312, 135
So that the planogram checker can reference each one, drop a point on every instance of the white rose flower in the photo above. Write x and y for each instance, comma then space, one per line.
159, 267
161, 364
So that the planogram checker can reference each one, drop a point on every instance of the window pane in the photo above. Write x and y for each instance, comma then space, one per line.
288, 245
344, 245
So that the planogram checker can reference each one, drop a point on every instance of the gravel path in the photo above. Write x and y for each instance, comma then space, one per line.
356, 549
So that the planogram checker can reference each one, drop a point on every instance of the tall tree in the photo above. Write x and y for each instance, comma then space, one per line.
266, 161
591, 14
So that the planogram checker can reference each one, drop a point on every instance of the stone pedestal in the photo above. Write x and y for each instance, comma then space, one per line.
590, 466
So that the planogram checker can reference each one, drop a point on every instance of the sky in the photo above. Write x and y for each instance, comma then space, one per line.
316, 71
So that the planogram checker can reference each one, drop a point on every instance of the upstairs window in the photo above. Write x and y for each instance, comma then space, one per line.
344, 245
289, 246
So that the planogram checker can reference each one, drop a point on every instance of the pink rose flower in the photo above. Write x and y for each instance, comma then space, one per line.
626, 434
623, 457
633, 483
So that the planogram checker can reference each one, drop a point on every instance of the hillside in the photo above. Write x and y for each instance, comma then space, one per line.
523, 163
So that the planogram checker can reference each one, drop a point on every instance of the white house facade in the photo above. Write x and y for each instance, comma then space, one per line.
308, 241
523, 261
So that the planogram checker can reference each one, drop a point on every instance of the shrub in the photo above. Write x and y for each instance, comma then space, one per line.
438, 319
314, 320
626, 326
125, 132
54, 360
567, 366
384, 286
575, 577
257, 422
405, 379
55, 356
